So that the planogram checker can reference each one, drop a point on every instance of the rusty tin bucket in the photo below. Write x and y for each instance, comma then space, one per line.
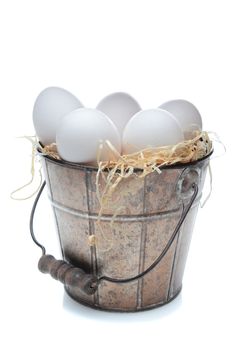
137, 265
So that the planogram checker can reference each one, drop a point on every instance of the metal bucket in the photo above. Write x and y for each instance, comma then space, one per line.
140, 263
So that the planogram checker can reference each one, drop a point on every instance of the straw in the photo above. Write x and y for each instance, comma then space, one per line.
34, 143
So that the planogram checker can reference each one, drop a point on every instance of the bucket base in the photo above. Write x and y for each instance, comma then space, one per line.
144, 308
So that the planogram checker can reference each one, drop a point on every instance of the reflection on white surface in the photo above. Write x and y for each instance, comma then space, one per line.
80, 310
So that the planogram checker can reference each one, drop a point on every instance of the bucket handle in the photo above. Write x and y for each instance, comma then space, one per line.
73, 276
60, 269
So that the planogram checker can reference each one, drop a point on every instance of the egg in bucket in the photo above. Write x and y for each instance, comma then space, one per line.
125, 219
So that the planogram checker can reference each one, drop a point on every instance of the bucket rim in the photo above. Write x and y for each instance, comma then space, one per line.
67, 164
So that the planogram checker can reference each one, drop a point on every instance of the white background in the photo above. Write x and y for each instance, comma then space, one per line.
155, 50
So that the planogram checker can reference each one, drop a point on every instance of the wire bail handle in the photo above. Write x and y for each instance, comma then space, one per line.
73, 276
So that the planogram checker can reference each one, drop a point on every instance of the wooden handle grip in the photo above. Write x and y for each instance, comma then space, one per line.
68, 274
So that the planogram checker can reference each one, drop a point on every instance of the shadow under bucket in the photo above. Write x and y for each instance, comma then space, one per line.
139, 263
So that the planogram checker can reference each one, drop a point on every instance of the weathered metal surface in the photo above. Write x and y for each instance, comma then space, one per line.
151, 208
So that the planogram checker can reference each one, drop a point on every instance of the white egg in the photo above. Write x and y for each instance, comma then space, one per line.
80, 134
187, 115
151, 128
50, 106
119, 107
